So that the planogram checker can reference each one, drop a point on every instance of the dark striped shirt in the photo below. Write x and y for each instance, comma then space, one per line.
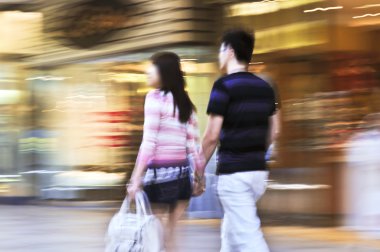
246, 102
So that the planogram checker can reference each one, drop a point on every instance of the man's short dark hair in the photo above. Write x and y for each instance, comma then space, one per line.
241, 42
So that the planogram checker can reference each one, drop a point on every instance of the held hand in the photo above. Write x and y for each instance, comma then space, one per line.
199, 185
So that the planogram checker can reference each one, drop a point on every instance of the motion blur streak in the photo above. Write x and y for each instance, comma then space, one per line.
368, 6
324, 9
368, 15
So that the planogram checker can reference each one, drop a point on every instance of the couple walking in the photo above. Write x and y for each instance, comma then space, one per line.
241, 110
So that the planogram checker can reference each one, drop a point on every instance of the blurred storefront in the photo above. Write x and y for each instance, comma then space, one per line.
84, 85
92, 114
16, 32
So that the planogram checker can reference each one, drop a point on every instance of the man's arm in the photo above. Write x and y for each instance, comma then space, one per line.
211, 136
216, 109
274, 127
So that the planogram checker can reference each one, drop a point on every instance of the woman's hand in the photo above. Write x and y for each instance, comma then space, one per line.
133, 188
199, 185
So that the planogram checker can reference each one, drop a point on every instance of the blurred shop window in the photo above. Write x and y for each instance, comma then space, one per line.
8, 130
86, 122
20, 32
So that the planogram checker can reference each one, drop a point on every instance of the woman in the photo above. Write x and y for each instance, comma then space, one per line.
169, 142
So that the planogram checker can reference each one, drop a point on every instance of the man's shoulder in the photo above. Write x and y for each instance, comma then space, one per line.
220, 80
239, 75
263, 79
244, 77
230, 79
266, 79
241, 80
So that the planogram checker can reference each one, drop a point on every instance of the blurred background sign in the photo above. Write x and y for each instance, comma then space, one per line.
108, 28
91, 22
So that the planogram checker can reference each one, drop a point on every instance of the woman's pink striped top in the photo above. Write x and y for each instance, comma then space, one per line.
165, 138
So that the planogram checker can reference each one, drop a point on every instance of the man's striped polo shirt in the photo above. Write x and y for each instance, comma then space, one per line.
246, 102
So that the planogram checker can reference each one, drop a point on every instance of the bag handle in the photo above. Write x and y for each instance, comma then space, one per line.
142, 204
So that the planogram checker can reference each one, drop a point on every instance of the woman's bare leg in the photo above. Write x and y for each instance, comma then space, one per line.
175, 214
160, 210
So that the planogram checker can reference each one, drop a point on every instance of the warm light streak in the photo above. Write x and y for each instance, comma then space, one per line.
324, 9
188, 59
265, 6
86, 97
367, 6
367, 15
277, 186
49, 78
7, 80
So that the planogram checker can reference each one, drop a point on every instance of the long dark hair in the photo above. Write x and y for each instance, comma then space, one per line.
172, 80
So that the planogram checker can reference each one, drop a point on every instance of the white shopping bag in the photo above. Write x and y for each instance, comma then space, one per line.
135, 232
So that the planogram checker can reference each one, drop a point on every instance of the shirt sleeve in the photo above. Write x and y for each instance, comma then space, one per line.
152, 116
192, 143
276, 104
276, 97
219, 99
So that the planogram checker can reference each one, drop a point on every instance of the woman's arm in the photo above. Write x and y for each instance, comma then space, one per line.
192, 144
151, 125
195, 155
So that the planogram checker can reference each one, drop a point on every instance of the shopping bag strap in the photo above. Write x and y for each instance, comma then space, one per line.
142, 204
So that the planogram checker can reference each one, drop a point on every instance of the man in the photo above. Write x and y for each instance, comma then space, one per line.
241, 115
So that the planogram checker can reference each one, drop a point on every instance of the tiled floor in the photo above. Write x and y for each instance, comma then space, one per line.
56, 229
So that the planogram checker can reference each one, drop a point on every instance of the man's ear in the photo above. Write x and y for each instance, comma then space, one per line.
231, 51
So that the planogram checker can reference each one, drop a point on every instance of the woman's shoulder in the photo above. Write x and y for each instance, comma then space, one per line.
154, 93
153, 99
158, 93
